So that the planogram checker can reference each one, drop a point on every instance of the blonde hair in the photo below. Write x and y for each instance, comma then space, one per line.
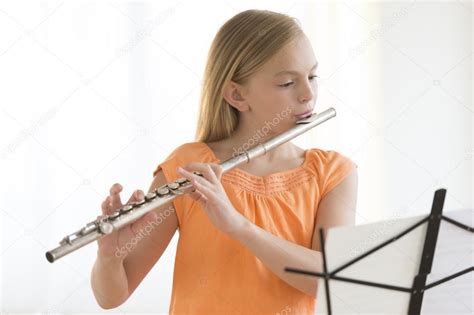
241, 46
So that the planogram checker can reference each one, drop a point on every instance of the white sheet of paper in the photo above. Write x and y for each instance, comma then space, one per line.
397, 264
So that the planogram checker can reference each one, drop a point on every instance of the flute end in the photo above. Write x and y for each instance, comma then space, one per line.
50, 257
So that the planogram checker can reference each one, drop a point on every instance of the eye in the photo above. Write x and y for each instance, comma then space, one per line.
286, 84
311, 78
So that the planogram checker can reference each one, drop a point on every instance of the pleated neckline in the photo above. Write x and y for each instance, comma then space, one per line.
268, 184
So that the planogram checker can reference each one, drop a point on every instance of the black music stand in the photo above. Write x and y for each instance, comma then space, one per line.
419, 285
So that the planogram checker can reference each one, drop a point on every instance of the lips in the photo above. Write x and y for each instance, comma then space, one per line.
304, 115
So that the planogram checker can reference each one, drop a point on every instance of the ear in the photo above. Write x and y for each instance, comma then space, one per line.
234, 94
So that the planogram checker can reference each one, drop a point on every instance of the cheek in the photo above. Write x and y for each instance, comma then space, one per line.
270, 101
276, 103
285, 99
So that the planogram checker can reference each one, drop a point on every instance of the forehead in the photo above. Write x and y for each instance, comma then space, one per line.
296, 55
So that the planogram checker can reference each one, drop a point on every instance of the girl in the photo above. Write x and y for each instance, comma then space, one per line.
239, 230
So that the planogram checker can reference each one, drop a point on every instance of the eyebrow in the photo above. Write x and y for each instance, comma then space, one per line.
293, 71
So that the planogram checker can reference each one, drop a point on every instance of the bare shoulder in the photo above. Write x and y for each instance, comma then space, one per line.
345, 191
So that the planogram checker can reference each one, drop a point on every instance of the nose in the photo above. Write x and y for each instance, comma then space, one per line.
306, 94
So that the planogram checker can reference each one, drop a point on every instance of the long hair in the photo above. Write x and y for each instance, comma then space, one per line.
241, 46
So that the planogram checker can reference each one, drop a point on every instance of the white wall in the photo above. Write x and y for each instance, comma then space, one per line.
96, 93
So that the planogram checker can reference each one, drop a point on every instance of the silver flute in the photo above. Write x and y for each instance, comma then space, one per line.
106, 224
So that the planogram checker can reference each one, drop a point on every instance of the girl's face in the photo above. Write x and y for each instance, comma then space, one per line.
284, 87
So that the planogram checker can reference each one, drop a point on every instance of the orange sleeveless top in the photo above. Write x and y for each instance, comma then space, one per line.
215, 274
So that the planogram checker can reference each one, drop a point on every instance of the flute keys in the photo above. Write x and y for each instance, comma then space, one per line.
66, 240
150, 196
126, 209
114, 215
173, 186
69, 238
181, 181
105, 228
162, 191
138, 203
88, 228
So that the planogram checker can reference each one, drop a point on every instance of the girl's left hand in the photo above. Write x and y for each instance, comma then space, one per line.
212, 196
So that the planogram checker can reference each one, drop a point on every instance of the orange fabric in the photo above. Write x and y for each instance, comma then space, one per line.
215, 274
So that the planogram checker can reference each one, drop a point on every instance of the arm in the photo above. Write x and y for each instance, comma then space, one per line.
149, 250
113, 279
109, 282
336, 208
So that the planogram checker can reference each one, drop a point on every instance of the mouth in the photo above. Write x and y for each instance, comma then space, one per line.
304, 115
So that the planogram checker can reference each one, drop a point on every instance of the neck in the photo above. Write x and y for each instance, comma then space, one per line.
248, 135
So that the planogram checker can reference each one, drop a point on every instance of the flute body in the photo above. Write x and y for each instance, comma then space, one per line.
106, 224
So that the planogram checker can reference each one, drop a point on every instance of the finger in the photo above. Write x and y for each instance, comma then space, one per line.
213, 173
193, 178
115, 196
203, 190
195, 195
218, 170
202, 168
137, 195
106, 207
202, 182
201, 197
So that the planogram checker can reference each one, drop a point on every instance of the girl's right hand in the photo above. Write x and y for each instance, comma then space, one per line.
118, 244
